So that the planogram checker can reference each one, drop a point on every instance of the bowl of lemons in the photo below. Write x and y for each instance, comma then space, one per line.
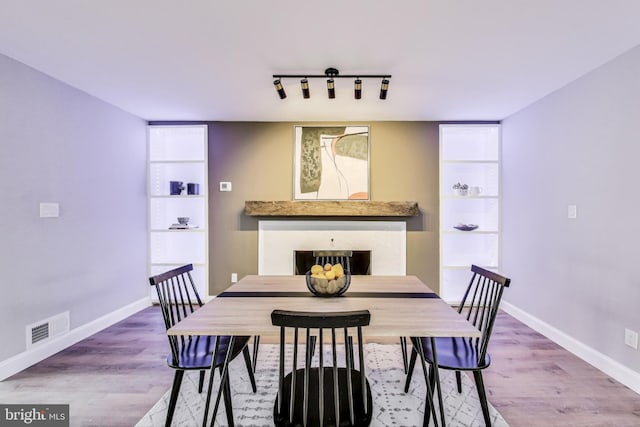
328, 280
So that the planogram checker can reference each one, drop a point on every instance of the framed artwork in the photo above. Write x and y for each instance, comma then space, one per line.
331, 163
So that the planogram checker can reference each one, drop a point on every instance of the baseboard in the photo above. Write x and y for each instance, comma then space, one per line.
21, 361
604, 363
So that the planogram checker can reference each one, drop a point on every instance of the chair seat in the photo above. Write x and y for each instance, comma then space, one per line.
454, 353
362, 418
197, 351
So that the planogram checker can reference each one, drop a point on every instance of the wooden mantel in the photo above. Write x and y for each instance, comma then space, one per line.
331, 208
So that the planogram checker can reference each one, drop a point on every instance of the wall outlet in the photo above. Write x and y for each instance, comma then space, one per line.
631, 338
225, 186
234, 277
572, 211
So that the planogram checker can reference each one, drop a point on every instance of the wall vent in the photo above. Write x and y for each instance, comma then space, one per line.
48, 328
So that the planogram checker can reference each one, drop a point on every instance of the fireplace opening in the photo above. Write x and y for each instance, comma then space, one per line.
360, 261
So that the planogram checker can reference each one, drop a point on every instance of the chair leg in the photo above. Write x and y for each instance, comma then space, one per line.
201, 381
226, 393
459, 381
432, 377
224, 380
175, 390
256, 344
247, 361
432, 384
403, 347
477, 375
429, 406
412, 365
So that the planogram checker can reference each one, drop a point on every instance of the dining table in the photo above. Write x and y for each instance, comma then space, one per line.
400, 306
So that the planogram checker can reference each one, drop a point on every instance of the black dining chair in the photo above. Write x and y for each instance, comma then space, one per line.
326, 394
178, 298
342, 257
480, 306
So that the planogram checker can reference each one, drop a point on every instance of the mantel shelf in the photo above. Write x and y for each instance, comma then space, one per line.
331, 208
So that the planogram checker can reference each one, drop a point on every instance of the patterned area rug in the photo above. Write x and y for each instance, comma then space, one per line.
391, 407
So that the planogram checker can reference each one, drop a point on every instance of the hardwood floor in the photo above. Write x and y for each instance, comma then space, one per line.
534, 382
114, 377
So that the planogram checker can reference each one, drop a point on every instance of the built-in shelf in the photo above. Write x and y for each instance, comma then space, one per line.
178, 153
331, 208
469, 154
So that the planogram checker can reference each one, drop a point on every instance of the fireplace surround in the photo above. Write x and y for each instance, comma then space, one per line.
278, 240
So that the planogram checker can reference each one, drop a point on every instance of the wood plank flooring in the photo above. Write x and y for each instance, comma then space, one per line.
114, 377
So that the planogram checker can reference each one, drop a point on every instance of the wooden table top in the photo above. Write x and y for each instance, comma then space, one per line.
399, 306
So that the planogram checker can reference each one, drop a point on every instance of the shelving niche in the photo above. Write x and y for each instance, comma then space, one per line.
469, 154
178, 153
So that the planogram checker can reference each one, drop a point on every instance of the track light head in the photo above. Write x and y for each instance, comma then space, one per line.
331, 88
384, 87
357, 88
304, 83
280, 89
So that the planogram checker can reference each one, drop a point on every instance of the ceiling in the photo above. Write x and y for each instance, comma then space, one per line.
214, 59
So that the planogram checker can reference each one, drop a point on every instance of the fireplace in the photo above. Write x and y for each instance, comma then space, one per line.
384, 242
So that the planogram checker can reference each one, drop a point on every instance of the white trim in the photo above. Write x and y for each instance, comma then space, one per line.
17, 363
604, 363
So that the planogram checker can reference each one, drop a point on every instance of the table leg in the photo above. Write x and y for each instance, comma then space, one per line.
212, 373
256, 343
429, 400
224, 377
437, 378
403, 347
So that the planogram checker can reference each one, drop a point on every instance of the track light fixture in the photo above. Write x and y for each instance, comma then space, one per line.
331, 74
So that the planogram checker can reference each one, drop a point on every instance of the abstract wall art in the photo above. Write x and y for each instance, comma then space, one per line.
331, 163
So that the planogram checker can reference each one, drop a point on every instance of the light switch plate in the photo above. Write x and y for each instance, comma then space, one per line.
225, 186
631, 338
49, 210
572, 211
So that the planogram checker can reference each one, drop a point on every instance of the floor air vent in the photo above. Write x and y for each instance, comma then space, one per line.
47, 328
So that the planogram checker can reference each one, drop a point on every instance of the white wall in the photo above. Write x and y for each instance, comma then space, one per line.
61, 145
578, 146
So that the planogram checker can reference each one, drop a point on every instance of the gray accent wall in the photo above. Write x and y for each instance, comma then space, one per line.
578, 146
61, 145
258, 159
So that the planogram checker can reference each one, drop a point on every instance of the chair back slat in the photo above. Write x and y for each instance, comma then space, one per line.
480, 303
363, 379
307, 406
348, 356
321, 375
334, 370
293, 373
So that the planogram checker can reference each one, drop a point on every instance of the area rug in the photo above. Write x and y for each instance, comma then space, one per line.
391, 405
